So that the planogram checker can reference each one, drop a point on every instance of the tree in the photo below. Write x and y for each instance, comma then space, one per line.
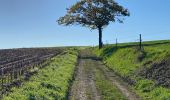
94, 14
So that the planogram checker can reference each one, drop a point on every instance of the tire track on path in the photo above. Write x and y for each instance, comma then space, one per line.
84, 86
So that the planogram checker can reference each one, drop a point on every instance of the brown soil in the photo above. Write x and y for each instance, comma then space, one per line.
159, 72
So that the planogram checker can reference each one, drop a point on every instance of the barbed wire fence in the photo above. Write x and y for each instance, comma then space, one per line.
139, 40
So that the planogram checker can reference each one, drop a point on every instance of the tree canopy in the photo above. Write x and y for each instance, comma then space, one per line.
94, 13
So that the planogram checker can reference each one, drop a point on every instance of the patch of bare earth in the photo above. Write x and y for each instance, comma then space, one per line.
158, 71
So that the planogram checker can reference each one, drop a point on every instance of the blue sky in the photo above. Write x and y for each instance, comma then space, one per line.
32, 23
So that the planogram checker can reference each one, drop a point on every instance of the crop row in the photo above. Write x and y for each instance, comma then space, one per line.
16, 68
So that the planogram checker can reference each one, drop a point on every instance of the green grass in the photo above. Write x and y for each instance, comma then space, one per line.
148, 91
107, 90
125, 61
51, 82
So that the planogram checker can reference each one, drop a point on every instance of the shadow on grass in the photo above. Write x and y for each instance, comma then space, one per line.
92, 58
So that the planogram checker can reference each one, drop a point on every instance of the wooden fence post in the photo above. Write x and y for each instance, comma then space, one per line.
140, 42
116, 43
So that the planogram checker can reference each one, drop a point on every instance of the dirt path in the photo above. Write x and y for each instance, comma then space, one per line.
118, 82
84, 86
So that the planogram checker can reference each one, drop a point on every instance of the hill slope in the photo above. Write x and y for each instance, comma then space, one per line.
147, 71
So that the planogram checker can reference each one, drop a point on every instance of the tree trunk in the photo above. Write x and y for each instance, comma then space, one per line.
100, 38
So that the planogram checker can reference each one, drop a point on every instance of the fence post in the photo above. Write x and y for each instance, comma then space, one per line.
116, 43
140, 42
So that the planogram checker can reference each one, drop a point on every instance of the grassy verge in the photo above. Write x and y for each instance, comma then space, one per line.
51, 82
127, 61
148, 91
107, 90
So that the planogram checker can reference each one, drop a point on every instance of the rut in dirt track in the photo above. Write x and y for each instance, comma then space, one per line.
84, 87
